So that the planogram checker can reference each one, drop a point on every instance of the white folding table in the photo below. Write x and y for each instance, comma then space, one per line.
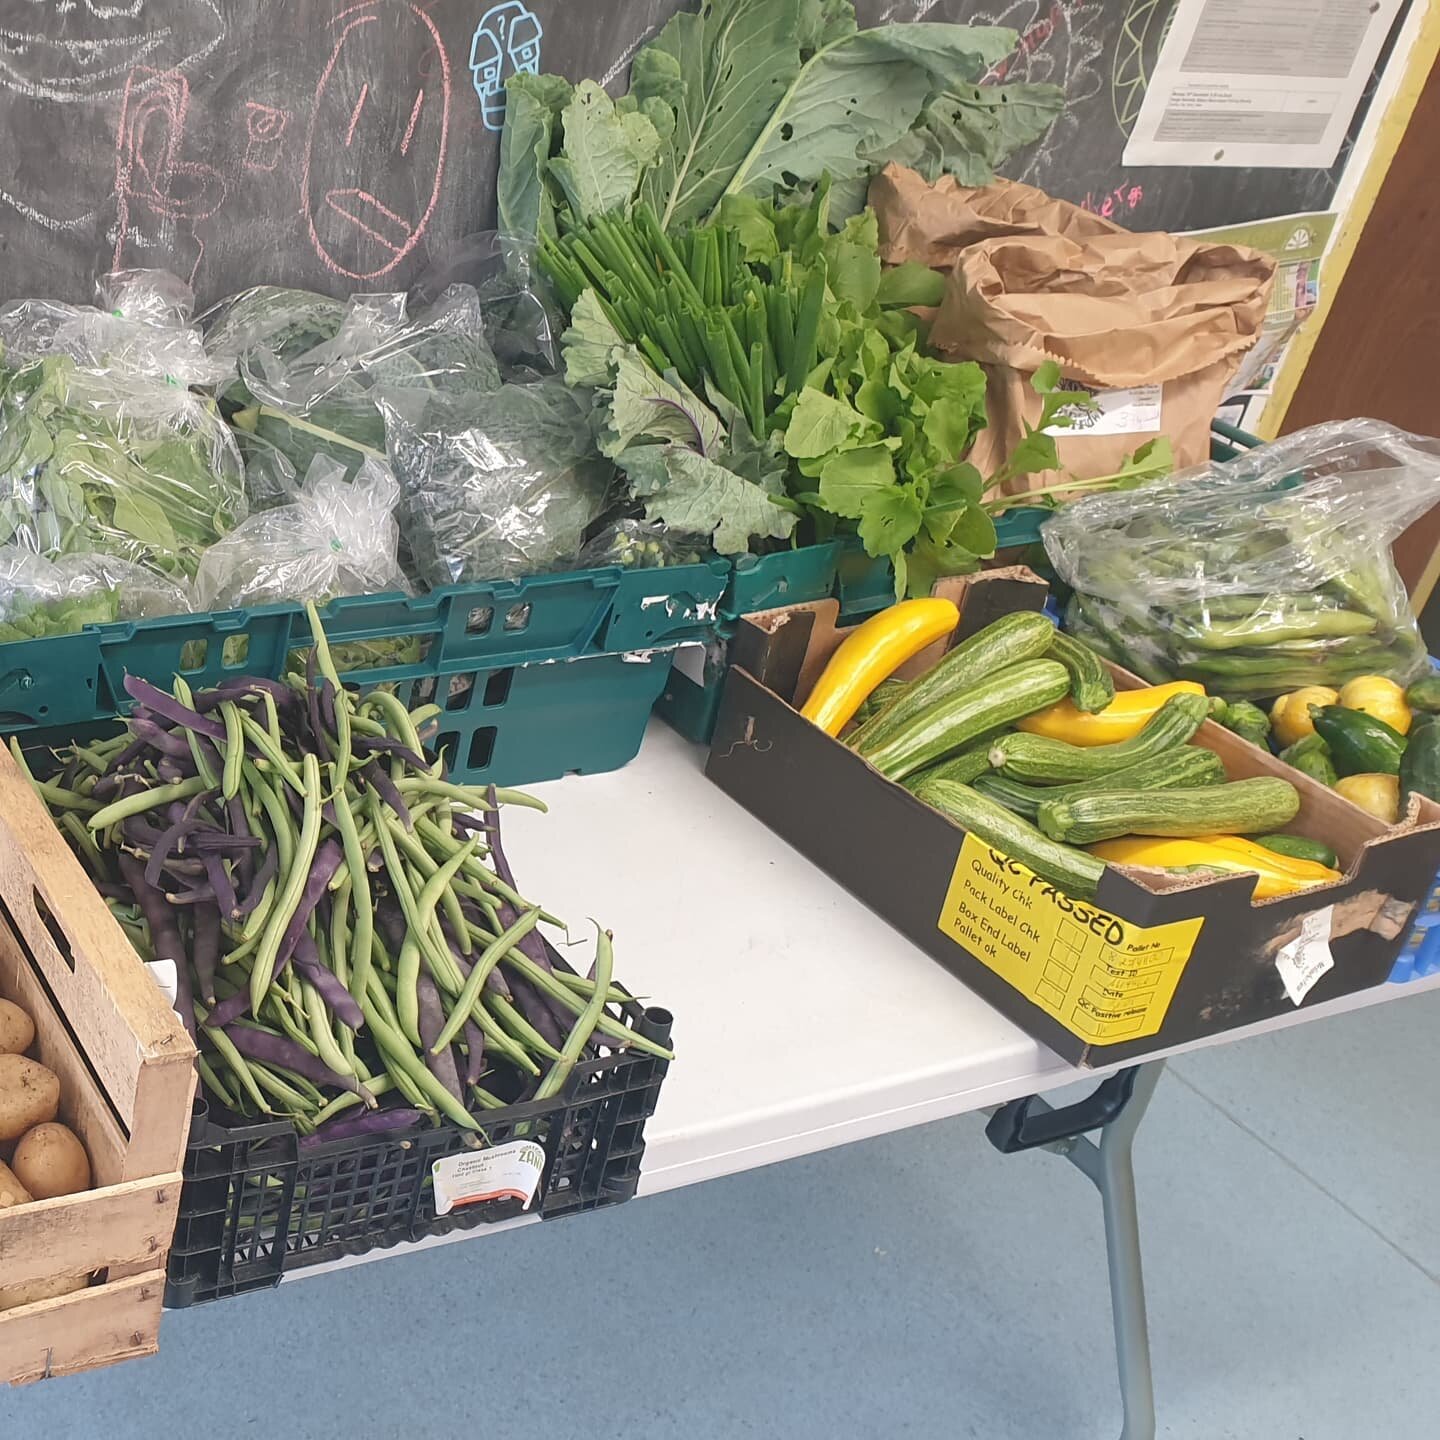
802, 1020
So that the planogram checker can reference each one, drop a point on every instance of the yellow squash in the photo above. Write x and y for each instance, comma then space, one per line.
1378, 696
1377, 794
1278, 874
1290, 714
1122, 719
871, 653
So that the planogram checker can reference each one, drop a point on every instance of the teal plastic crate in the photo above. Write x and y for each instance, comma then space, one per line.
537, 678
690, 701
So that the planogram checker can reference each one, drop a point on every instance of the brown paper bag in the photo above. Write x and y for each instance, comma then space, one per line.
1153, 325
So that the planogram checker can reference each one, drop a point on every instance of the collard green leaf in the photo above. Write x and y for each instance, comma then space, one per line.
910, 283
605, 152
820, 424
858, 95
890, 520
588, 343
824, 21
522, 200
696, 495
645, 408
734, 61
850, 477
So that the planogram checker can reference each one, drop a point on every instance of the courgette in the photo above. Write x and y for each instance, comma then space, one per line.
1420, 766
1424, 695
1184, 768
1311, 756
1073, 871
1040, 760
1243, 807
957, 719
1091, 686
1012, 639
968, 765
1247, 721
1299, 847
886, 692
1360, 744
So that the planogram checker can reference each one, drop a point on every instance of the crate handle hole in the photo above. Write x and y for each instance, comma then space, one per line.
58, 937
459, 691
497, 686
479, 620
517, 617
193, 655
235, 651
482, 747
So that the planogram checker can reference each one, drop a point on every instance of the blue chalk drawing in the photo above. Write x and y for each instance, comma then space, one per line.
507, 42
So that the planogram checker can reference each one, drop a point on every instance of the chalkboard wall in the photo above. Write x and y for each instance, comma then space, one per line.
344, 144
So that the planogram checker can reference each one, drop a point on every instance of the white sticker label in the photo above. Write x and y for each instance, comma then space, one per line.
1306, 958
510, 1171
1121, 412
164, 974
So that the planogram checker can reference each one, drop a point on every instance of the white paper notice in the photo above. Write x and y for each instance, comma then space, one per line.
1258, 82
1135, 411
510, 1171
165, 975
1306, 958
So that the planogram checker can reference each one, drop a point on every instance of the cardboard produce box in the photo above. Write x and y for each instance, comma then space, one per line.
1156, 961
127, 1077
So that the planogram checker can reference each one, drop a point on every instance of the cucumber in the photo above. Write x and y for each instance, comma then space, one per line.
958, 719
1040, 760
1026, 635
968, 765
1359, 743
1184, 768
1425, 695
1091, 687
1420, 767
1072, 871
1243, 807
1298, 847
1311, 756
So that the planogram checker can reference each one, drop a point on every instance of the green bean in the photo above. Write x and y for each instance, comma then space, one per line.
74, 827
486, 1099
265, 956
234, 750
57, 795
402, 723
403, 1060
489, 958
326, 667
282, 827
426, 863
267, 746
520, 1027
472, 797
239, 1066
342, 1102
321, 1033
203, 767
211, 1077
155, 798
584, 1027
358, 879
273, 1085
282, 1008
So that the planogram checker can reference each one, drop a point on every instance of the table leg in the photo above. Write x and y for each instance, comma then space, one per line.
1116, 1110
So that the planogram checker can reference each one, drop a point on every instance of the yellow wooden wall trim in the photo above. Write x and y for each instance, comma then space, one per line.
1418, 63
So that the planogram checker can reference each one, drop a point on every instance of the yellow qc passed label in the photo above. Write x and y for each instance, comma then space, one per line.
1103, 978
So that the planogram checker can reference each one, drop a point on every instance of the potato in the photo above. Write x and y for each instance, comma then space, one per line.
12, 1296
12, 1192
51, 1161
17, 1029
29, 1095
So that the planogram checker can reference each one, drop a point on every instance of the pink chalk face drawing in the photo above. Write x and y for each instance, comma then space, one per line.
506, 43
375, 155
265, 127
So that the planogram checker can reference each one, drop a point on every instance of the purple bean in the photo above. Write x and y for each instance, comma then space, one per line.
219, 841
169, 771
388, 745
195, 895
350, 1124
281, 1050
168, 845
312, 703
306, 959
221, 884
432, 1022
206, 948
325, 864
532, 945
159, 738
165, 940
533, 1007
240, 832
263, 875
385, 788
240, 688
328, 717
475, 1060
156, 700
229, 1010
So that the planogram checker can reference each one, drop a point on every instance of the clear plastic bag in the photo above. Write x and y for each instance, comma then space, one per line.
521, 329
141, 325
307, 374
507, 487
1259, 575
40, 597
339, 537
642, 545
108, 463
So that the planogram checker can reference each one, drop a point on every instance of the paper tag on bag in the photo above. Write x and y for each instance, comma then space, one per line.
164, 974
1135, 411
508, 1172
1306, 958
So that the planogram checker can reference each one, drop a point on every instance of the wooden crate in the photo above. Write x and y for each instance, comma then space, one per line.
127, 1079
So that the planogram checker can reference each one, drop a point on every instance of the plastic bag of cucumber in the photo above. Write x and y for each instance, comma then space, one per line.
1260, 575
1017, 734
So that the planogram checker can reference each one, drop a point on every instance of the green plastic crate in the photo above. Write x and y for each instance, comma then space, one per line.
690, 701
537, 678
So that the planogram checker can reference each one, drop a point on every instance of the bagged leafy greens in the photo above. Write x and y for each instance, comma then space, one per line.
641, 545
498, 484
308, 374
1261, 575
338, 537
98, 462
40, 597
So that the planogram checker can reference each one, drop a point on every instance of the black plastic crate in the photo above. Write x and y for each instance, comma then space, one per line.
257, 1205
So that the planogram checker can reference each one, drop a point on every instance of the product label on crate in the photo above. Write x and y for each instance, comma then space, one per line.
1307, 957
165, 975
508, 1172
1135, 411
1103, 978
